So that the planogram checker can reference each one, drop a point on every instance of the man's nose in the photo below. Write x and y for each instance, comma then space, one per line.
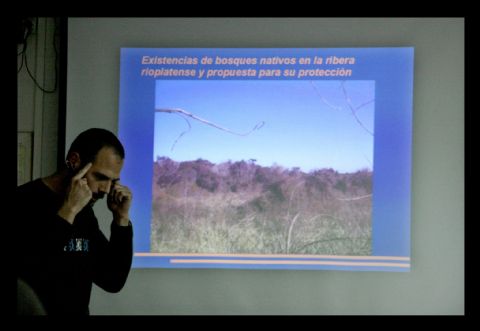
105, 188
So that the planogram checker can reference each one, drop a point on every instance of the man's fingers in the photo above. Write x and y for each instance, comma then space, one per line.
119, 193
83, 171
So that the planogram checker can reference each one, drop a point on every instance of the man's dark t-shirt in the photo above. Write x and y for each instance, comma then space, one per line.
59, 260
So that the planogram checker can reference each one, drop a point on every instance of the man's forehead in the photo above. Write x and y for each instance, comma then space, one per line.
107, 163
107, 175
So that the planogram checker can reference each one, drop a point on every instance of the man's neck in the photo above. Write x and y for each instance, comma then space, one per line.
57, 182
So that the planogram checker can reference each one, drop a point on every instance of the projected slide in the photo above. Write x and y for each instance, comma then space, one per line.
268, 158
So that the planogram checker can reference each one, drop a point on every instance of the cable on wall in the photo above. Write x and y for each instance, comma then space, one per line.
25, 29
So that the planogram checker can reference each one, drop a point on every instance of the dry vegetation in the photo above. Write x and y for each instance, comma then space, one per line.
241, 207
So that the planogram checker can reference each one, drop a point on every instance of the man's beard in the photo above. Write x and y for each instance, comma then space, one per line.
95, 198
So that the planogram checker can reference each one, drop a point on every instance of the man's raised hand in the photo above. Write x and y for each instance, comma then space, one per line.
77, 196
118, 201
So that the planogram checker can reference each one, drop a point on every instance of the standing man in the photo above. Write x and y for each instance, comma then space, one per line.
61, 249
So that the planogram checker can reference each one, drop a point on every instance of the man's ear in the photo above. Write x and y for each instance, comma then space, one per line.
74, 160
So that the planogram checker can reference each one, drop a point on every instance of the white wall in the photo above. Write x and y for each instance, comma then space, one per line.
435, 284
38, 111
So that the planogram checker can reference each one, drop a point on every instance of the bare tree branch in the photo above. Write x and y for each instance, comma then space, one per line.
321, 241
368, 160
355, 198
181, 134
323, 99
289, 235
364, 104
353, 109
184, 113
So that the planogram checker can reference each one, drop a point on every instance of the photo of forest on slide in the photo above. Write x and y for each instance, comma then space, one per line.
263, 167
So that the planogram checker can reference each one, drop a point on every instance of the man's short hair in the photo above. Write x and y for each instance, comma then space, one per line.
90, 142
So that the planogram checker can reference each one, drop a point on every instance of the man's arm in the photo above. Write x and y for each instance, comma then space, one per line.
113, 259
115, 256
